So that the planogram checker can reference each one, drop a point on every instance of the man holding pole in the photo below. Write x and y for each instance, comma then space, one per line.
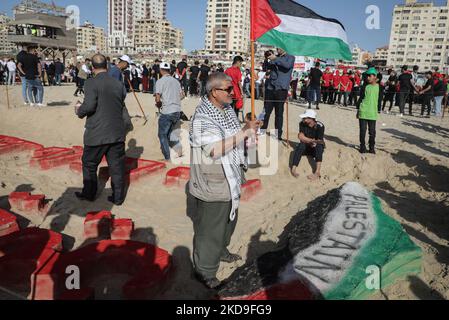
217, 157
277, 88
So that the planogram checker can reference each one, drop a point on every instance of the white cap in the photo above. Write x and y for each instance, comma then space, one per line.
165, 66
309, 114
127, 59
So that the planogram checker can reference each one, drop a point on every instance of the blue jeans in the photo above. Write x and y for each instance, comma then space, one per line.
314, 95
166, 124
24, 89
58, 79
438, 102
35, 84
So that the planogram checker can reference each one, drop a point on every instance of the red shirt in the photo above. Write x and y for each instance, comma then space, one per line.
328, 78
357, 80
337, 80
236, 75
346, 84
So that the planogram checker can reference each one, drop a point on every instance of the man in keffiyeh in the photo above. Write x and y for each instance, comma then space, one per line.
216, 175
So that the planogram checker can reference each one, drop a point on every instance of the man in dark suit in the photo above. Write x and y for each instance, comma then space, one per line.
105, 131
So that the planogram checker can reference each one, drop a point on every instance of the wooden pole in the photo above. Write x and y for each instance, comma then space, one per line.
253, 83
138, 102
7, 93
288, 141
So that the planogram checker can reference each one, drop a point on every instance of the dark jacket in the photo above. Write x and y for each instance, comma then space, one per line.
104, 106
59, 67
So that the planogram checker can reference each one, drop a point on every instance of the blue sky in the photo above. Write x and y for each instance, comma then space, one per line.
189, 15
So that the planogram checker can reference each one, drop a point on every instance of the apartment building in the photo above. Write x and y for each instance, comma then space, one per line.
227, 27
5, 45
157, 36
420, 36
122, 17
90, 38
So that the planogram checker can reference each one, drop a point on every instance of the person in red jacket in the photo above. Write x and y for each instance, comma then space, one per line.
345, 88
328, 78
355, 93
235, 73
336, 86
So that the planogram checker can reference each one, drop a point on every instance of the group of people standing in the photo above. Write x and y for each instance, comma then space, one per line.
329, 87
193, 79
405, 88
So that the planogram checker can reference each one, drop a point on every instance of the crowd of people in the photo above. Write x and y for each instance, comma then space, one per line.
409, 87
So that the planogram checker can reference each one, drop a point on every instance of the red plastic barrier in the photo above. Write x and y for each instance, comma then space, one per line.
97, 224
55, 157
250, 189
11, 144
177, 176
122, 229
145, 168
8, 223
28, 204
23, 254
147, 266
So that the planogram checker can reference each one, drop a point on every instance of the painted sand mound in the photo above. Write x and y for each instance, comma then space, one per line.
329, 251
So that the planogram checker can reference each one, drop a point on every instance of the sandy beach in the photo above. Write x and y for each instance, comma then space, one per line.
409, 173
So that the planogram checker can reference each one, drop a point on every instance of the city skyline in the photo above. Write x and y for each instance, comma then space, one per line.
190, 16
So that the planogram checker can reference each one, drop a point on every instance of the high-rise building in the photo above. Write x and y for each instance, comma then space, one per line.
5, 45
419, 35
228, 27
122, 17
381, 53
90, 38
156, 36
359, 56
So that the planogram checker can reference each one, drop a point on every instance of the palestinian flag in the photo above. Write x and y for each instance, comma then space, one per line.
298, 30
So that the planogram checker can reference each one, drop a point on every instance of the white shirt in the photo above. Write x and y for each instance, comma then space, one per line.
261, 77
86, 69
11, 66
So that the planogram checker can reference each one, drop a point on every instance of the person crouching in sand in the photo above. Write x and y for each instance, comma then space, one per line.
311, 137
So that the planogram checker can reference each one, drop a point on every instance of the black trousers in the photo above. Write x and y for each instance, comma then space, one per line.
294, 86
411, 99
325, 91
184, 85
389, 96
303, 149
275, 99
115, 155
402, 101
331, 97
353, 97
193, 87
371, 125
427, 103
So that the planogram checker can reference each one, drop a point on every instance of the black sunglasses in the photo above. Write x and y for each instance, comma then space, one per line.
228, 90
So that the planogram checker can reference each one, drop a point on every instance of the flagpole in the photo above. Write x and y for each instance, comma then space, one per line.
253, 82
252, 15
